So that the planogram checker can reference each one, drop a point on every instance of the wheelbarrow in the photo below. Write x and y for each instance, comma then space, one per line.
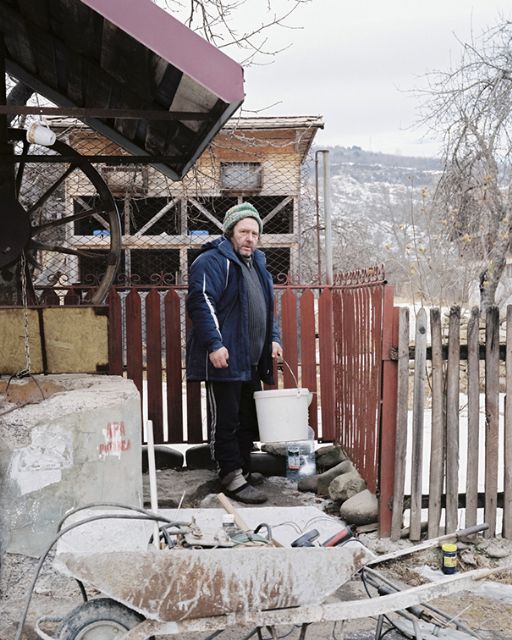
182, 589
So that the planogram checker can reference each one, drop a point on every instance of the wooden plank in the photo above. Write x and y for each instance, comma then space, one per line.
194, 410
473, 417
507, 484
418, 412
239, 521
492, 381
173, 366
387, 438
308, 352
154, 364
115, 335
401, 423
134, 362
452, 421
326, 347
289, 337
437, 427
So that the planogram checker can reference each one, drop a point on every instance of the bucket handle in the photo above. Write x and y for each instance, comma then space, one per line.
292, 374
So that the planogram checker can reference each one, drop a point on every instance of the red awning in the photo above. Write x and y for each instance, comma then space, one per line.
132, 57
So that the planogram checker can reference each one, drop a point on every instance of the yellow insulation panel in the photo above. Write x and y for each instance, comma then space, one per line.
69, 339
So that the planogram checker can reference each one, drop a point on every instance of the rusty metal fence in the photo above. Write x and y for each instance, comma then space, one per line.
365, 379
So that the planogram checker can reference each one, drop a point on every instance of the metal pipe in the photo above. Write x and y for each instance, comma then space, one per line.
327, 216
317, 210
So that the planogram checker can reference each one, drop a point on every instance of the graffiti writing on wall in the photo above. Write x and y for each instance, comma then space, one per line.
115, 441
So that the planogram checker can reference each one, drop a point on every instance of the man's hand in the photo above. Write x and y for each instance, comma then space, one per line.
220, 358
277, 351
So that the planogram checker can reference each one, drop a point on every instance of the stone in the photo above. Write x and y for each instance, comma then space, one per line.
467, 557
363, 508
276, 448
165, 458
328, 457
308, 483
325, 478
495, 550
268, 464
199, 457
345, 486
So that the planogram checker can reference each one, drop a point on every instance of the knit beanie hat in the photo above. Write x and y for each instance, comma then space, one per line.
239, 212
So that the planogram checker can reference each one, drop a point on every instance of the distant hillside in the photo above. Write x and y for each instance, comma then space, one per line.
373, 196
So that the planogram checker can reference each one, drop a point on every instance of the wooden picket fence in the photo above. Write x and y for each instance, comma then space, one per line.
464, 361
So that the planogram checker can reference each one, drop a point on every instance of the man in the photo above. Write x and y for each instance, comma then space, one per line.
233, 340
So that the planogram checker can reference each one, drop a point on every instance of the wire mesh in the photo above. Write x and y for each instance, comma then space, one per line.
163, 224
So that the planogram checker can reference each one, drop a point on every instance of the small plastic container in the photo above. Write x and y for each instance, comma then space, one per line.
449, 564
301, 457
228, 525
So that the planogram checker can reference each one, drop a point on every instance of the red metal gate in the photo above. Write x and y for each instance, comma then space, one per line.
364, 332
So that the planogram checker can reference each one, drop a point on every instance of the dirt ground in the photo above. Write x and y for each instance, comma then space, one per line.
488, 613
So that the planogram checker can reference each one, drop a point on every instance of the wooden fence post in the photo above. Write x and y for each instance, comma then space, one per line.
473, 418
437, 447
507, 484
401, 423
387, 440
418, 413
492, 354
452, 421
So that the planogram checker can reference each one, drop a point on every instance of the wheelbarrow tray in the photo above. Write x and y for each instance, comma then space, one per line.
180, 584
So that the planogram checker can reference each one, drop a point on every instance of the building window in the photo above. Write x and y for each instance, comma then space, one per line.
241, 176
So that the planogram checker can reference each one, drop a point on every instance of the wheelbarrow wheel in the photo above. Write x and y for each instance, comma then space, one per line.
98, 619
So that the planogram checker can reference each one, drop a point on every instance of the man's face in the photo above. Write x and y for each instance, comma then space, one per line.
246, 233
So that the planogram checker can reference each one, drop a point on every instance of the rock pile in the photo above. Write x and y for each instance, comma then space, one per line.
338, 480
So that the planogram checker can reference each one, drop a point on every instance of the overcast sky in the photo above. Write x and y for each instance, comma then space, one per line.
355, 62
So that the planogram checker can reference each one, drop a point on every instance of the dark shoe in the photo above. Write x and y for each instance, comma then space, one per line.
247, 494
254, 478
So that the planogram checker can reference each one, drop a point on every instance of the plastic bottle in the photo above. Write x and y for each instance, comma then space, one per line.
293, 460
449, 564
301, 457
308, 459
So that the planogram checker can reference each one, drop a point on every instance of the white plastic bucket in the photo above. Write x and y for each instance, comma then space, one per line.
283, 414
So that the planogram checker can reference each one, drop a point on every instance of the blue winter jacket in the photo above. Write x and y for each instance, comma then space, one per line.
217, 304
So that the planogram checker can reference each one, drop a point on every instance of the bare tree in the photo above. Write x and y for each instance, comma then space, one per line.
229, 24
421, 259
471, 105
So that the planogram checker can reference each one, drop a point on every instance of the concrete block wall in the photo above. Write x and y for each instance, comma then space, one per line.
79, 446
